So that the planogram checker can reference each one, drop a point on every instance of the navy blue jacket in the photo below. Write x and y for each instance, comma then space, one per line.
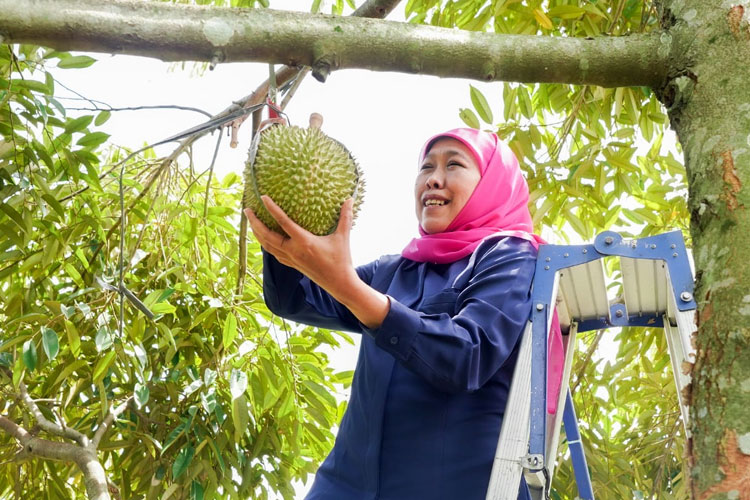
431, 383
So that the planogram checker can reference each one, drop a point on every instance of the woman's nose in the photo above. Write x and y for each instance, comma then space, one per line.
435, 180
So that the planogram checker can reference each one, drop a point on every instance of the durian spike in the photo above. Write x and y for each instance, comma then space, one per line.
316, 120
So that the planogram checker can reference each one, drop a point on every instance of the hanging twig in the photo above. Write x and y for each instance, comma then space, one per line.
205, 201
293, 89
141, 108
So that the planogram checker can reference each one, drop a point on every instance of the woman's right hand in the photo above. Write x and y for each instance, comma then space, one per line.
326, 260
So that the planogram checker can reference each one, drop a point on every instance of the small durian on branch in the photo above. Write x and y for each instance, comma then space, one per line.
308, 174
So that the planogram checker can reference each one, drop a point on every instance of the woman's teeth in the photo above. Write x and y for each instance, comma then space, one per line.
429, 203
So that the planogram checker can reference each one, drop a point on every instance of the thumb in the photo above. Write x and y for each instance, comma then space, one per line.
346, 217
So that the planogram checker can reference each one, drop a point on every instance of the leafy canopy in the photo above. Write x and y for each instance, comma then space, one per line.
229, 401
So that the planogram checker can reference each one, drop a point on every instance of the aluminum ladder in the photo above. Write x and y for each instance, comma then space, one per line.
657, 283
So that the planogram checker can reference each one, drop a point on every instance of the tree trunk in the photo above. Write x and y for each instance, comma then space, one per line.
709, 107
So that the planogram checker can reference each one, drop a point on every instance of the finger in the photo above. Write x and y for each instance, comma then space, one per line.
268, 239
347, 216
257, 226
288, 225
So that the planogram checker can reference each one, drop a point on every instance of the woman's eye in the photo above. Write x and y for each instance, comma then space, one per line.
426, 166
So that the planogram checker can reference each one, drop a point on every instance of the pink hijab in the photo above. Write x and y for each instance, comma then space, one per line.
497, 207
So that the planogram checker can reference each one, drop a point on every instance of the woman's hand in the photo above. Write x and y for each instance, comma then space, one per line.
326, 260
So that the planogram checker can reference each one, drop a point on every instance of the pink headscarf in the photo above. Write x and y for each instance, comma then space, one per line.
497, 207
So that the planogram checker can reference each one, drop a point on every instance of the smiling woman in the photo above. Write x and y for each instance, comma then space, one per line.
441, 323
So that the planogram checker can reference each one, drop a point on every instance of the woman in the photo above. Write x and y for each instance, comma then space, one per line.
441, 324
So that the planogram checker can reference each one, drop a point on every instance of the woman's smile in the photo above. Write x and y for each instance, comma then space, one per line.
432, 200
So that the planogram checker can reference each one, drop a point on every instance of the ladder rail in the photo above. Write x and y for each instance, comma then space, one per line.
577, 454
513, 442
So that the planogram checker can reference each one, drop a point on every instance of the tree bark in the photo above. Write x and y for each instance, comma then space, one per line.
709, 107
326, 43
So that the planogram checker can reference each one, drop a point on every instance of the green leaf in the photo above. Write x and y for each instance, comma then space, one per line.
70, 369
240, 417
566, 11
237, 383
196, 491
74, 340
15, 216
141, 393
103, 339
29, 355
480, 104
67, 311
182, 462
30, 85
76, 62
78, 124
321, 391
469, 118
172, 436
103, 365
18, 371
93, 139
50, 343
73, 273
102, 117
54, 204
230, 330
163, 308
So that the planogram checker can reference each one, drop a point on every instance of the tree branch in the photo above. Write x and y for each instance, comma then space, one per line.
53, 428
36, 447
112, 415
14, 430
173, 32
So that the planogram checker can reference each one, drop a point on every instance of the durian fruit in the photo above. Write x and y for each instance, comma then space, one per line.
308, 174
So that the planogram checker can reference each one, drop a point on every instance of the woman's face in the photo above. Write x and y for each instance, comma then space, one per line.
447, 177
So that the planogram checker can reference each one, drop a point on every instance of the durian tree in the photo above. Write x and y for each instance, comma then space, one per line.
591, 89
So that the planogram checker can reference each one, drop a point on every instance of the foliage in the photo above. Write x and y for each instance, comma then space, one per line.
229, 401
595, 159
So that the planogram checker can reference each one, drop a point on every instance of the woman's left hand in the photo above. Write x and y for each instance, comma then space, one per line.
326, 260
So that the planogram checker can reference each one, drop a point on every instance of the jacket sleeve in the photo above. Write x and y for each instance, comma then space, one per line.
291, 295
461, 337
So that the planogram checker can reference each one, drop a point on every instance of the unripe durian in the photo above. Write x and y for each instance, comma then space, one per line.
308, 174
